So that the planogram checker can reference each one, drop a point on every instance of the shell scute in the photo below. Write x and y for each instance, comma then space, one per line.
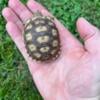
42, 38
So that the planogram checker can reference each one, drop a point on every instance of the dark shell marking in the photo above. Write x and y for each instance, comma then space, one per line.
41, 38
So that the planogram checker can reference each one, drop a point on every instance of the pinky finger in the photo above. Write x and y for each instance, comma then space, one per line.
10, 16
17, 37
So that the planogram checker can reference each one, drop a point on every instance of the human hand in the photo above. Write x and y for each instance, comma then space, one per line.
76, 73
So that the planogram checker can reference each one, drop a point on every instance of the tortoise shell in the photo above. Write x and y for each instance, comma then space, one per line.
41, 38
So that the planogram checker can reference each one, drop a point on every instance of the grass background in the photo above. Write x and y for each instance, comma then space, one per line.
15, 80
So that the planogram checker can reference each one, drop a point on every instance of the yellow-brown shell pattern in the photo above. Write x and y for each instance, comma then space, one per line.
42, 38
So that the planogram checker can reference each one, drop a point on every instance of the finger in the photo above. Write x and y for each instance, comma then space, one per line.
20, 9
68, 41
90, 34
9, 15
17, 37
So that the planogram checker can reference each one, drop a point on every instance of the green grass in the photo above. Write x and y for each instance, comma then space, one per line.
15, 80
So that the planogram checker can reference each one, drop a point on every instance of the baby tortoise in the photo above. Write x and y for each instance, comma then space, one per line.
42, 38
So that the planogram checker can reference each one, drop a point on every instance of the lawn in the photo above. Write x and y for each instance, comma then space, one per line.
15, 80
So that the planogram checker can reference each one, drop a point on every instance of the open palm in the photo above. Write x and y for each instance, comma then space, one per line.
76, 73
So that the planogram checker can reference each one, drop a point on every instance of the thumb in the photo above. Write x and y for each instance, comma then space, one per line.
90, 34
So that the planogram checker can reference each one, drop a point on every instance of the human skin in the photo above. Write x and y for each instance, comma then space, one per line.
76, 73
